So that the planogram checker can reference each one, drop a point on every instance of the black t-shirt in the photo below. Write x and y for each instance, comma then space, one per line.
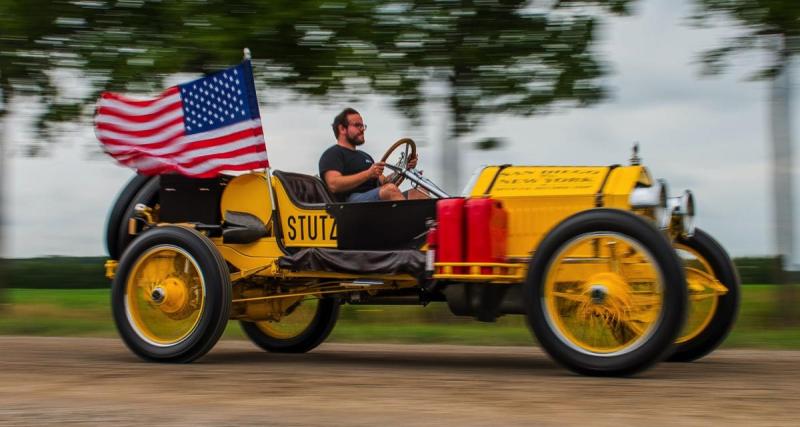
347, 162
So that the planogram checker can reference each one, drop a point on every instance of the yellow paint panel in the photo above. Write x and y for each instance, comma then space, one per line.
303, 226
531, 218
248, 193
484, 180
548, 181
253, 255
620, 184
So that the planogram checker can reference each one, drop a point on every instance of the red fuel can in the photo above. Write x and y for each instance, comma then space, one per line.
450, 230
487, 231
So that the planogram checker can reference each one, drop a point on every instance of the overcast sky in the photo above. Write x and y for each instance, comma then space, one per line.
706, 134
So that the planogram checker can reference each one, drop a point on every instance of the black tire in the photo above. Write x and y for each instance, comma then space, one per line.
654, 345
140, 189
318, 329
727, 308
211, 302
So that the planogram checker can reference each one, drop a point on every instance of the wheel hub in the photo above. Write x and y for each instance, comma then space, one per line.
607, 295
598, 293
157, 296
602, 286
171, 295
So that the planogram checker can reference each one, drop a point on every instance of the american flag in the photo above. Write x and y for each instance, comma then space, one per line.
196, 129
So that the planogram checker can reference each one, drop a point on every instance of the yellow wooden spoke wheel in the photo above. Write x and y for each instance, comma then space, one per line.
611, 310
171, 295
297, 319
713, 287
164, 295
703, 292
605, 293
140, 190
301, 327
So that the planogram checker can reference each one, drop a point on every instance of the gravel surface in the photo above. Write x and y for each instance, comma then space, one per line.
83, 381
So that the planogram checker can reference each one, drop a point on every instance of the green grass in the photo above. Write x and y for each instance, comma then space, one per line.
758, 324
57, 312
86, 312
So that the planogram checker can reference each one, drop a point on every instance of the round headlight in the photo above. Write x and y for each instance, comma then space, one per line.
653, 197
687, 211
663, 214
681, 209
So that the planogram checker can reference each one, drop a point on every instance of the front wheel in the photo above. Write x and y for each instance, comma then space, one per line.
713, 286
171, 295
605, 293
305, 326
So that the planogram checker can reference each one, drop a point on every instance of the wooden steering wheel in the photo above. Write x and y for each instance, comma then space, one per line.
409, 151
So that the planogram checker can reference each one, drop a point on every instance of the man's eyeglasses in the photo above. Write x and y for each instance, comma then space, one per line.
359, 126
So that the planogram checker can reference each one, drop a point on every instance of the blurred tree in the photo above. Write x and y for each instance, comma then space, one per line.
492, 56
488, 57
772, 26
130, 45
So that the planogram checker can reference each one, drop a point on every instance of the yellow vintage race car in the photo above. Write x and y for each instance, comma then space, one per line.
610, 273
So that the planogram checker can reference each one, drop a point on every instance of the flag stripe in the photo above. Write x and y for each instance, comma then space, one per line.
228, 150
167, 135
167, 97
199, 161
173, 142
254, 124
136, 116
126, 108
115, 132
147, 161
201, 148
123, 123
209, 168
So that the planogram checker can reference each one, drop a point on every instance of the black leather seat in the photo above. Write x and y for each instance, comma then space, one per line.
304, 189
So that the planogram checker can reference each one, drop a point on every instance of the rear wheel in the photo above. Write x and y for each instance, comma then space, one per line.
140, 189
171, 295
605, 293
117, 210
305, 326
713, 286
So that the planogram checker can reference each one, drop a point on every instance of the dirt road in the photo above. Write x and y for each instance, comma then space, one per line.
97, 381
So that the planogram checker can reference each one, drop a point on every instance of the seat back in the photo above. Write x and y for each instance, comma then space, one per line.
304, 189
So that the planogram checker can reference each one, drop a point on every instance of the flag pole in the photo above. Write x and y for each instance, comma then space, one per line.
268, 172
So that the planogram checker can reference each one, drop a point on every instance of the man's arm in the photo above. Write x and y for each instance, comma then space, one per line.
338, 183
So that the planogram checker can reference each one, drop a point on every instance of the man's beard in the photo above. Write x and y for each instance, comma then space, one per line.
354, 141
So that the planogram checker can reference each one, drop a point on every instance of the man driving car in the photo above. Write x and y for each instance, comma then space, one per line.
351, 174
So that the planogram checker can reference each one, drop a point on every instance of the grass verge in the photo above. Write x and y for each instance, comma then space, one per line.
86, 312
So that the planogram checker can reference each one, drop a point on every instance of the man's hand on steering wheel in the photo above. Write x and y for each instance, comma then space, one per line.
376, 170
412, 161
